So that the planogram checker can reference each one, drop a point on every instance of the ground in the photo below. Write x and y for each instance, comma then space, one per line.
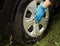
53, 36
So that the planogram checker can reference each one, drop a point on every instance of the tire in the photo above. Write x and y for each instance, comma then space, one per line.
4, 21
18, 29
6, 11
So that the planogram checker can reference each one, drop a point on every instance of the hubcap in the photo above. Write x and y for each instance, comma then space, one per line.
32, 28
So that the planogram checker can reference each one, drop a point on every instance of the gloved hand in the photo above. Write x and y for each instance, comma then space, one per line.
39, 13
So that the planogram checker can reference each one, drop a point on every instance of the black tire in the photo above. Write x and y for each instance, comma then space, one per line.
6, 11
18, 33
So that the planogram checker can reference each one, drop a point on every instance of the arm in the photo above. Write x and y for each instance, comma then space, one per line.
47, 3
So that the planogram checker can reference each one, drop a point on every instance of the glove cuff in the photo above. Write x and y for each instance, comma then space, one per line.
42, 6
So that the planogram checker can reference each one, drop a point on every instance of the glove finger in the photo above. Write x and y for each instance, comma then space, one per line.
36, 16
39, 20
36, 19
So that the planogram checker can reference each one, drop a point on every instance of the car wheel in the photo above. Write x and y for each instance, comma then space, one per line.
24, 29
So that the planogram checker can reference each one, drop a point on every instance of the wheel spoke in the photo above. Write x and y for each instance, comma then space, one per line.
41, 31
35, 31
28, 23
44, 21
32, 7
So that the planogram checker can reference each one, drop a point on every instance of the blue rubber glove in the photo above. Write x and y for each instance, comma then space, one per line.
39, 13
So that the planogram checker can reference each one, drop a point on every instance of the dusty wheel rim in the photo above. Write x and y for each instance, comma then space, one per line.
32, 28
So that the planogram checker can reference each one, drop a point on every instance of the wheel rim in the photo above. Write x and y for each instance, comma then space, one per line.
32, 28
